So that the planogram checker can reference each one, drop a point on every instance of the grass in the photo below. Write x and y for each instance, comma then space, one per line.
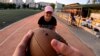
8, 17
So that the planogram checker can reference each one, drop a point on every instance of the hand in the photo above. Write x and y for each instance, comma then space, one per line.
21, 49
64, 49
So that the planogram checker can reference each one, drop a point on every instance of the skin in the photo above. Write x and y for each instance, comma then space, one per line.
47, 16
23, 45
58, 46
64, 49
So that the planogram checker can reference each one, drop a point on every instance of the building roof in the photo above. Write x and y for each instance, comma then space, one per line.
91, 5
74, 5
77, 5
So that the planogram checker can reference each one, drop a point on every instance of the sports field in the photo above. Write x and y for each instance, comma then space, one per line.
10, 16
11, 36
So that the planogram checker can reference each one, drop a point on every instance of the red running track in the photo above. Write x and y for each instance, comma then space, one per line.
12, 35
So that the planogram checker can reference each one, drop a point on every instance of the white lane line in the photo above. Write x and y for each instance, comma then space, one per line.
11, 35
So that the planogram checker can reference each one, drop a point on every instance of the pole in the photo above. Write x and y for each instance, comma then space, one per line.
80, 17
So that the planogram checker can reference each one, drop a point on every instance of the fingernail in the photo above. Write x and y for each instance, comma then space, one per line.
29, 32
56, 42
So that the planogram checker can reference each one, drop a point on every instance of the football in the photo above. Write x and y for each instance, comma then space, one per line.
40, 42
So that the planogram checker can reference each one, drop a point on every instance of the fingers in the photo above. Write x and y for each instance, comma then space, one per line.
64, 49
26, 39
60, 47
21, 48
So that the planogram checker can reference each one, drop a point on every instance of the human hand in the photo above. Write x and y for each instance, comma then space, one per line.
21, 49
64, 49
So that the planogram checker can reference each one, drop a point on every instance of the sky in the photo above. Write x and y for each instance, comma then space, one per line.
63, 1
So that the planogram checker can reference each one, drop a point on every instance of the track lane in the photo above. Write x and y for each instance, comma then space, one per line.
8, 46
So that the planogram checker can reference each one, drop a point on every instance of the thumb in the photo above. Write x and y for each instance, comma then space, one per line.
60, 47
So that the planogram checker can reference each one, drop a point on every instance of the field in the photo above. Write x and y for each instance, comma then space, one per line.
8, 17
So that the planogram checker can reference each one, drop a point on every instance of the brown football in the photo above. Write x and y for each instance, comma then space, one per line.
40, 42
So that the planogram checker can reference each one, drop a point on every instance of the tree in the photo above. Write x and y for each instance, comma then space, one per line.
93, 1
53, 5
63, 5
7, 5
24, 5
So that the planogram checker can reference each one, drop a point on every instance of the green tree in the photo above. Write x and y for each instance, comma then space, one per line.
93, 1
53, 5
63, 5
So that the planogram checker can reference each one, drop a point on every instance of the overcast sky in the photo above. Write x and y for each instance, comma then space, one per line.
65, 1
62, 1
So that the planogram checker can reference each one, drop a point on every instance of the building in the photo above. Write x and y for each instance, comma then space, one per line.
72, 8
97, 1
29, 1
18, 3
43, 3
4, 1
58, 6
93, 1
83, 10
36, 5
1, 1
32, 5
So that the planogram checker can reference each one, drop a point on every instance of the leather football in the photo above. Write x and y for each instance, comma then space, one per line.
40, 42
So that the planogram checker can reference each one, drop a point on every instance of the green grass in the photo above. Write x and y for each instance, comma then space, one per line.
8, 17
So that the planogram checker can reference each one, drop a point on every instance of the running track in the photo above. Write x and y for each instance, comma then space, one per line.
12, 35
